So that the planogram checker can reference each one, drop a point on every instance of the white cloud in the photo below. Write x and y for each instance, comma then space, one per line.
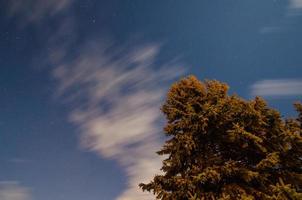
117, 94
295, 4
32, 11
294, 9
18, 160
11, 190
277, 88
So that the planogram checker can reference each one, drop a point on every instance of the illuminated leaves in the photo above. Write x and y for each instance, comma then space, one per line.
224, 147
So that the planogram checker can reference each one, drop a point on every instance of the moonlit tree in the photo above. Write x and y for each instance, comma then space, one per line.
223, 147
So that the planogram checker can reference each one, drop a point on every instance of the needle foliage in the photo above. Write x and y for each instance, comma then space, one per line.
222, 147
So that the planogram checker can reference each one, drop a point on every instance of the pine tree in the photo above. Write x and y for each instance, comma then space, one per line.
222, 147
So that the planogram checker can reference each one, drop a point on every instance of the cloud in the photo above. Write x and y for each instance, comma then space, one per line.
11, 190
116, 93
294, 9
295, 4
277, 88
33, 11
270, 29
115, 90
18, 160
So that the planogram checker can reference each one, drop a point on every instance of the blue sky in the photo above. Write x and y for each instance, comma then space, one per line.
81, 83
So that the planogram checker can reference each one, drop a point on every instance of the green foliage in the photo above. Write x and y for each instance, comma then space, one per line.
222, 147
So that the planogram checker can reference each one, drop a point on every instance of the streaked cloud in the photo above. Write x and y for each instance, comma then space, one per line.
11, 190
18, 160
295, 4
277, 88
271, 29
294, 9
33, 11
116, 92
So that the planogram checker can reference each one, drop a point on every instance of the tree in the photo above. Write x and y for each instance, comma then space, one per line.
223, 147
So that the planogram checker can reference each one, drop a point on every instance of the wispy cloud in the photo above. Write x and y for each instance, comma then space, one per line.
117, 92
295, 4
277, 88
33, 11
19, 160
294, 9
11, 190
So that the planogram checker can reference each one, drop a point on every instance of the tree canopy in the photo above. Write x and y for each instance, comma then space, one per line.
223, 147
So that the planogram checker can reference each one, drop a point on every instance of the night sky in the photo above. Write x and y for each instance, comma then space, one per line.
82, 81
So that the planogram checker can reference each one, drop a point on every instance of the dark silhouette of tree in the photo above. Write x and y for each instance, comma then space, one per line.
224, 147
